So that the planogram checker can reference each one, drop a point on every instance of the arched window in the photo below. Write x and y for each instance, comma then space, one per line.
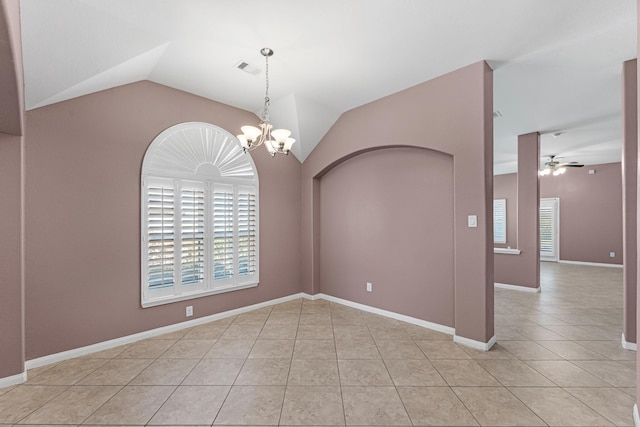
199, 215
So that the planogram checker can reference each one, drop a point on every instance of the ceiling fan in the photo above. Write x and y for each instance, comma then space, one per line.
557, 168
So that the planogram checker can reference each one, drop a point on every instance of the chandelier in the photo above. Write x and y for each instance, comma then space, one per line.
277, 141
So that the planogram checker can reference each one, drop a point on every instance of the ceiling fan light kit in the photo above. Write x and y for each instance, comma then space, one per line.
555, 168
277, 141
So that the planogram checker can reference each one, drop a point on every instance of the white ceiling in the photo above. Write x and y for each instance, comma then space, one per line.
557, 62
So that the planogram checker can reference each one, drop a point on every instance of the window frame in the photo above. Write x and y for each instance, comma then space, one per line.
206, 171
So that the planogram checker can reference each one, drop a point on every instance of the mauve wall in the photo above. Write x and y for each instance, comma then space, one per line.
83, 160
11, 116
505, 187
386, 217
590, 211
11, 323
454, 114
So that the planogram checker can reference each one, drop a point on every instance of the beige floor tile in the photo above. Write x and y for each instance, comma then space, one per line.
539, 333
147, 349
571, 332
413, 373
313, 372
442, 350
116, 372
314, 349
611, 349
272, 349
396, 332
214, 372
464, 373
294, 306
497, 352
208, 331
631, 391
34, 372
252, 405
264, 372
312, 405
133, 405
558, 408
614, 373
315, 332
341, 318
316, 309
571, 350
188, 349
515, 373
509, 333
275, 331
72, 406
416, 332
378, 321
68, 372
351, 332
529, 350
399, 349
230, 349
435, 406
278, 318
607, 332
165, 372
611, 403
357, 349
21, 401
566, 374
315, 318
374, 406
191, 405
496, 406
249, 331
252, 317
363, 373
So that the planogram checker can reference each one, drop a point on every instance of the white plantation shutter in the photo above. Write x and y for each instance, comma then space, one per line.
500, 221
247, 232
199, 215
223, 232
160, 231
192, 232
547, 229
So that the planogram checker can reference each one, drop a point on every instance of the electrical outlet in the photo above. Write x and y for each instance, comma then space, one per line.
612, 254
369, 287
190, 311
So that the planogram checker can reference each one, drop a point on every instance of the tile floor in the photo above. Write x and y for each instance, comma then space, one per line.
558, 361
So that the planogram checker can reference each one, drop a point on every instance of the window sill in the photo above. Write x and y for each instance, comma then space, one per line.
199, 294
507, 251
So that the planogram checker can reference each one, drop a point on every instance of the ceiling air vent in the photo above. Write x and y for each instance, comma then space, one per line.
497, 114
247, 68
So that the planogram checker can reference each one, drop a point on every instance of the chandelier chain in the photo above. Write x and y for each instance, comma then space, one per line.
265, 112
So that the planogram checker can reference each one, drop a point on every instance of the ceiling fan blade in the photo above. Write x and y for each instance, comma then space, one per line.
569, 165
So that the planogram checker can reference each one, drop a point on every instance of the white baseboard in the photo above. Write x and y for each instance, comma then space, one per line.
517, 287
636, 416
628, 345
592, 264
401, 317
13, 380
478, 345
105, 345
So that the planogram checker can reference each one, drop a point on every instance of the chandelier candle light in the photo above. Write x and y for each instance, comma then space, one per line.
277, 141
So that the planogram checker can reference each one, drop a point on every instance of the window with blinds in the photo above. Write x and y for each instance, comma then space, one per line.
199, 224
500, 221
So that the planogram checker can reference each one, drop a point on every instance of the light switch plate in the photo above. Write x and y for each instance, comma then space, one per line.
473, 221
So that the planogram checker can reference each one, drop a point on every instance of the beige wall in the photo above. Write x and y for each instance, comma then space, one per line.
83, 165
387, 218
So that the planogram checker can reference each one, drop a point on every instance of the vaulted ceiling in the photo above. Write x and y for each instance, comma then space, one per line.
557, 63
